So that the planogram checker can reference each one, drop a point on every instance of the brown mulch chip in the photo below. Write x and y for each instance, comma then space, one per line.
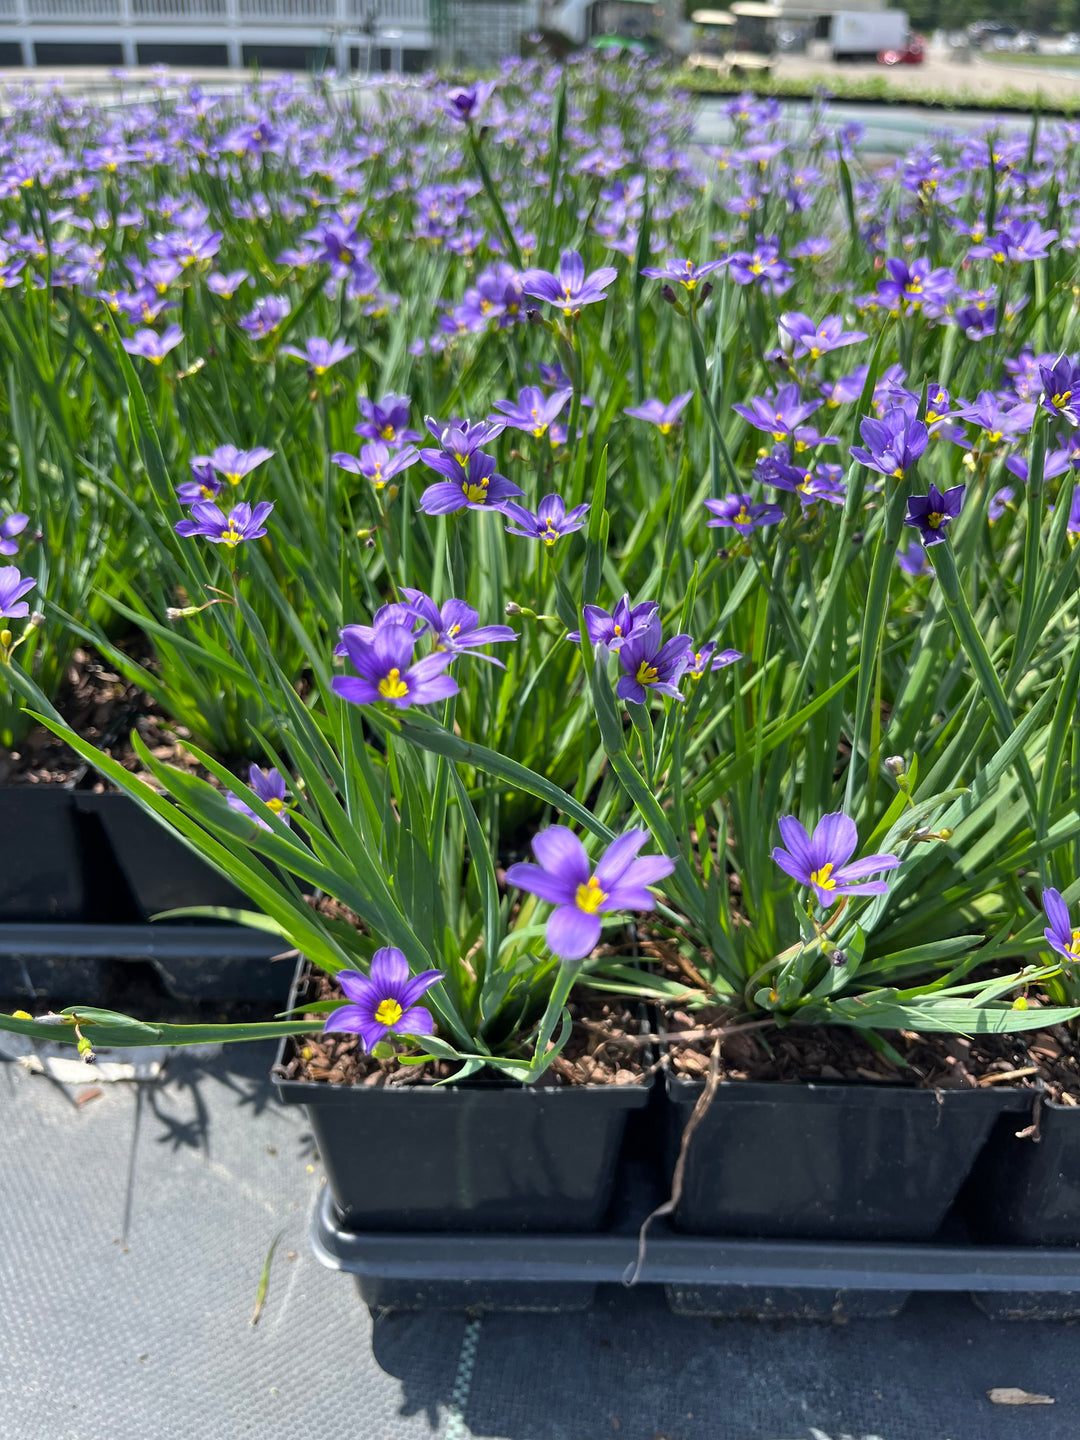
841, 1054
1056, 1053
337, 1059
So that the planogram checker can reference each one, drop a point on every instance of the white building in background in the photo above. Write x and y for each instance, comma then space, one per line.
405, 36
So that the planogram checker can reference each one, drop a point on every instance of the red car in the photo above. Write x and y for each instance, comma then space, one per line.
911, 54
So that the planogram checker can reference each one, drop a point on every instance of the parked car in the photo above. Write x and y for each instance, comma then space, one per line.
913, 53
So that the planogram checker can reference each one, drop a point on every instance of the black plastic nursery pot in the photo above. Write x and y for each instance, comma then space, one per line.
1025, 1189
828, 1161
480, 1156
81, 874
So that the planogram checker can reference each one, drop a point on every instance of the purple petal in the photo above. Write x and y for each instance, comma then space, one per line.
797, 841
415, 1021
572, 933
561, 853
351, 1018
834, 840
355, 690
871, 865
389, 972
541, 882
795, 868
417, 986
618, 856
357, 987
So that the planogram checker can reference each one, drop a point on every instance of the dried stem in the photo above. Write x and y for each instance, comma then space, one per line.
705, 1099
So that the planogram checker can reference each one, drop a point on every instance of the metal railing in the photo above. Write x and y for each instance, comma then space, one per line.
339, 14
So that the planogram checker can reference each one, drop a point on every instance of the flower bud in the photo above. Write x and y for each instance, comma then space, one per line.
512, 608
667, 294
706, 291
838, 958
897, 764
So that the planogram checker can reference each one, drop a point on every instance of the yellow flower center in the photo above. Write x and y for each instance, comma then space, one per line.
231, 536
233, 477
646, 674
387, 432
392, 687
823, 878
388, 1012
742, 518
1061, 399
1072, 950
934, 519
590, 897
665, 427
476, 493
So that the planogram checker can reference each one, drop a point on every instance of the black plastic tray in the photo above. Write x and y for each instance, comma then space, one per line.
701, 1275
194, 962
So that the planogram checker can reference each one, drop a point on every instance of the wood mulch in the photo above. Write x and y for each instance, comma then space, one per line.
587, 1059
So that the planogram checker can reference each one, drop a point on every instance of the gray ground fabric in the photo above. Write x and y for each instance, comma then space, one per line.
135, 1228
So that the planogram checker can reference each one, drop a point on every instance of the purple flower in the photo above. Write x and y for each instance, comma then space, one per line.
817, 340
1055, 463
615, 629
321, 354
384, 1001
204, 484
1059, 933
664, 417
377, 462
683, 272
242, 522
893, 443
10, 526
780, 414
387, 420
12, 588
226, 285
930, 514
265, 316
916, 287
269, 786
580, 895
997, 421
570, 289
760, 265
1061, 389
458, 441
151, 346
552, 519
534, 411
455, 628
698, 661
387, 672
913, 561
476, 486
463, 101
234, 464
650, 666
739, 512
810, 483
821, 860
978, 322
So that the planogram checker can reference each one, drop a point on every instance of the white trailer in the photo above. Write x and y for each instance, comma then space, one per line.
863, 34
